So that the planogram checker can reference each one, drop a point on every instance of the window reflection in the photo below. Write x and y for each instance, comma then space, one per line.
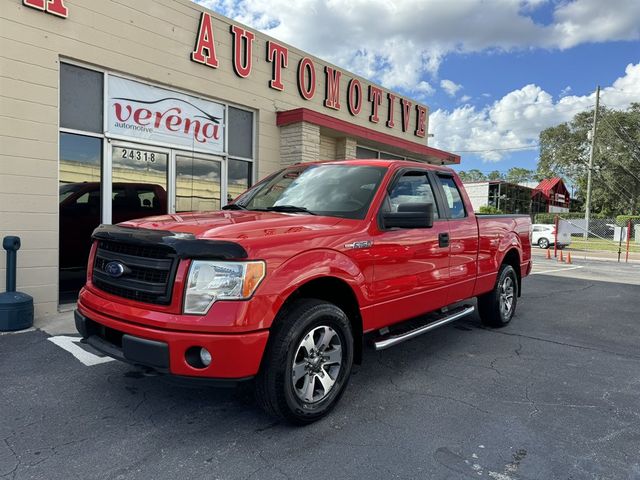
198, 184
239, 178
139, 183
79, 206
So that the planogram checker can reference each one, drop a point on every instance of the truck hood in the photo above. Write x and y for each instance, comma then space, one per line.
238, 225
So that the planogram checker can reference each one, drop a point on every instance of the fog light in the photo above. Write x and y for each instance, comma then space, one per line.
205, 357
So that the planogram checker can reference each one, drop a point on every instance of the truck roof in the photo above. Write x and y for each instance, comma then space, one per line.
375, 162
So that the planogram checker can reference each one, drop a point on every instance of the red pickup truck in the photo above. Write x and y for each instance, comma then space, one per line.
283, 285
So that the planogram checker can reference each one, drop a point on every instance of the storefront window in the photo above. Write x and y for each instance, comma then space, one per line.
81, 95
142, 158
365, 153
240, 127
198, 184
79, 207
239, 178
390, 156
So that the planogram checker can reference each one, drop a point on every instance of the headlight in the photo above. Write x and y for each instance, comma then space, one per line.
209, 281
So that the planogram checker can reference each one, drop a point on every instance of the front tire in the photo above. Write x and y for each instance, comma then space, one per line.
497, 307
307, 363
543, 243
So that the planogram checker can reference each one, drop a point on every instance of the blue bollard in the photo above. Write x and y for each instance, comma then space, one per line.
16, 308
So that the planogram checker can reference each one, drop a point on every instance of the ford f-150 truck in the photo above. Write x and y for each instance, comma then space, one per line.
283, 284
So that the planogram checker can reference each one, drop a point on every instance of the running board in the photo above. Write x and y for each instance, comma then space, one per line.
391, 340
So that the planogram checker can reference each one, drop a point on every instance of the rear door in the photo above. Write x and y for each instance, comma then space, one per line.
463, 238
411, 265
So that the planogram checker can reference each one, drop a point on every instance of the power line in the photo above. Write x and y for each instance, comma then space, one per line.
530, 147
629, 139
621, 188
633, 155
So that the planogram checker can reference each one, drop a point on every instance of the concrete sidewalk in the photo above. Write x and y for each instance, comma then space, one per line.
597, 255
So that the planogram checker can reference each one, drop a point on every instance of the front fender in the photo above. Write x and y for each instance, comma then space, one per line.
308, 266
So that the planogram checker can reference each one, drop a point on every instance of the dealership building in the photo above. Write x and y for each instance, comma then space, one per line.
111, 110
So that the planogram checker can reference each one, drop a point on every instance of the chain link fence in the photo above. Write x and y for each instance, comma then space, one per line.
603, 238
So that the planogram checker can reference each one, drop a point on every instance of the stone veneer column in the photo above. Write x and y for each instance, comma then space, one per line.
346, 148
299, 142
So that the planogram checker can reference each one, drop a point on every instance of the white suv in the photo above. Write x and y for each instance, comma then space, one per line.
544, 236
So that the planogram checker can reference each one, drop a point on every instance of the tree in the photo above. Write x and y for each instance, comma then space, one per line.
564, 152
519, 175
473, 175
495, 175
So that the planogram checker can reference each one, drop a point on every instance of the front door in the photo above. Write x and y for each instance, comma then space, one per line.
411, 265
139, 180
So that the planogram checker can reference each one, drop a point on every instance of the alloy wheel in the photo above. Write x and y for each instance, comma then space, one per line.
507, 292
316, 364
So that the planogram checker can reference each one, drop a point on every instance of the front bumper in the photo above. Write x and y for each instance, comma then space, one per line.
235, 357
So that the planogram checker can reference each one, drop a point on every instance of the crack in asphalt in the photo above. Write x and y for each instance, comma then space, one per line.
564, 344
274, 466
435, 395
15, 455
560, 292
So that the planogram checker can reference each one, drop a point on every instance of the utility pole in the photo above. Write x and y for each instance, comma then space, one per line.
587, 210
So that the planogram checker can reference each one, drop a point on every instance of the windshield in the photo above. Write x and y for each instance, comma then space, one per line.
324, 189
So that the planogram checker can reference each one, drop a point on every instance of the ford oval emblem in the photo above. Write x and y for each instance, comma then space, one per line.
114, 269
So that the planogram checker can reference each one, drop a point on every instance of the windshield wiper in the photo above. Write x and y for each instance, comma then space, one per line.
234, 206
287, 209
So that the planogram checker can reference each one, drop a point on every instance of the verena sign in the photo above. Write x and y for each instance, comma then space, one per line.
163, 116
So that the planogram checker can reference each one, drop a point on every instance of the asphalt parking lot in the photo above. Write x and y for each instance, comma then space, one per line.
554, 395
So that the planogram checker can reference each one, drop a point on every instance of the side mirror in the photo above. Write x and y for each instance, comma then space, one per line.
409, 215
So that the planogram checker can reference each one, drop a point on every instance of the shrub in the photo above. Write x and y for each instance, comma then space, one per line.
622, 220
489, 210
549, 218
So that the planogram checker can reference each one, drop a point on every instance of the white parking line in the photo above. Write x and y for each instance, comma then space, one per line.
70, 344
557, 270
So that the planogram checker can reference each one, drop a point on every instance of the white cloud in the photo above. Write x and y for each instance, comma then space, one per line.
397, 42
595, 21
565, 91
450, 87
424, 88
465, 98
515, 120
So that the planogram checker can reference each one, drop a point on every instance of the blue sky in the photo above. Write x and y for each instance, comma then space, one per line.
494, 73
580, 68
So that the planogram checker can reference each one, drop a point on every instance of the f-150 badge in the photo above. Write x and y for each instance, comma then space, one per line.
360, 244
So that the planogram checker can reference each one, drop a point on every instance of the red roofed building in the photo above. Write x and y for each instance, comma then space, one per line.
551, 195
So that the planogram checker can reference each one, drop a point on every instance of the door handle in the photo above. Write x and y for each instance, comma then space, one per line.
443, 240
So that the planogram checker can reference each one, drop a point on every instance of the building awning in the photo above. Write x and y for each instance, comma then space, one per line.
341, 127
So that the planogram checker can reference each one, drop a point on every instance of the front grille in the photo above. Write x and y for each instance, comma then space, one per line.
146, 251
148, 271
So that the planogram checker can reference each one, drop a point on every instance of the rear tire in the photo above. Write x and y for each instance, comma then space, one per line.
543, 243
307, 362
496, 308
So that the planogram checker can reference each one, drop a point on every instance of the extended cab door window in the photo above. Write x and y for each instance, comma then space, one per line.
452, 197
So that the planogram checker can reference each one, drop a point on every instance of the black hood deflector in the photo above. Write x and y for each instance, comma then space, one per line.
183, 245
